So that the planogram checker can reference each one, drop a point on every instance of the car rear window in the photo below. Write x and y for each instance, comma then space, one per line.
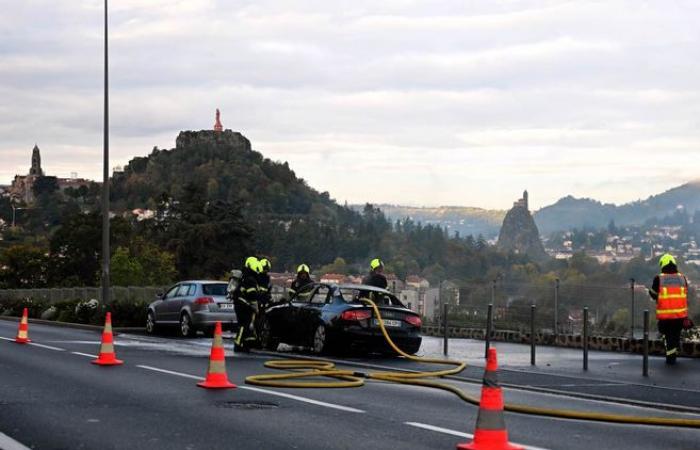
214, 289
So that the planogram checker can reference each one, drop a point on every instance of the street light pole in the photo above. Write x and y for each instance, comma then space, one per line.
105, 173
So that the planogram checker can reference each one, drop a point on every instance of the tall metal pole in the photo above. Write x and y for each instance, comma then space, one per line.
645, 347
532, 334
585, 338
556, 306
631, 309
445, 336
105, 175
489, 325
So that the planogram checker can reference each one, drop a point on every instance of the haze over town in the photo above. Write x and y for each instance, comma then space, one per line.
398, 102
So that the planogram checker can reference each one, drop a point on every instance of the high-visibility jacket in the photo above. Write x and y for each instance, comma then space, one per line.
673, 297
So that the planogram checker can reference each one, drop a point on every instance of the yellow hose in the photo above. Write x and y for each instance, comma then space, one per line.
348, 378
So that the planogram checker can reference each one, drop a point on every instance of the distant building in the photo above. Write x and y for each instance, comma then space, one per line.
22, 185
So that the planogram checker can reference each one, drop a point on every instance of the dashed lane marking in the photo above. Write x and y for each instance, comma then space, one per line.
262, 391
425, 426
84, 354
48, 347
7, 443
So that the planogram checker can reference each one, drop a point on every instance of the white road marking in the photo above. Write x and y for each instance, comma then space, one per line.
7, 339
170, 372
425, 426
84, 354
304, 399
7, 443
48, 347
263, 391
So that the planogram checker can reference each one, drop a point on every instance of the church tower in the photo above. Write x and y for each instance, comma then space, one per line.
525, 200
36, 163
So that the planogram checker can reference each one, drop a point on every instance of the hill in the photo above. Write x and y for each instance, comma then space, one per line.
457, 219
288, 219
570, 212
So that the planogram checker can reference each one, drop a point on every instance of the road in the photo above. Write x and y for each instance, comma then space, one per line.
51, 397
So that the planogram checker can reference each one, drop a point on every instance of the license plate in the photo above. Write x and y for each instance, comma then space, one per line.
226, 306
388, 323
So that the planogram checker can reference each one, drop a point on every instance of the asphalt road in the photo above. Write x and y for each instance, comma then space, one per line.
51, 397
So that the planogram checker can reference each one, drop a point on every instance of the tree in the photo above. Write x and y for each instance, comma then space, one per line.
206, 237
76, 248
44, 186
23, 266
125, 270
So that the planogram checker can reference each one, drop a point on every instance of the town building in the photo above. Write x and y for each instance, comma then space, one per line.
22, 185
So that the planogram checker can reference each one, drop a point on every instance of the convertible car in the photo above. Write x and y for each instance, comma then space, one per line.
329, 317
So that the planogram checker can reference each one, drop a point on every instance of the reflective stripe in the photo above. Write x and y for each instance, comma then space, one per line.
253, 289
673, 351
671, 311
489, 419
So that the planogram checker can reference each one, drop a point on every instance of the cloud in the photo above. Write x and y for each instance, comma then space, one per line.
443, 102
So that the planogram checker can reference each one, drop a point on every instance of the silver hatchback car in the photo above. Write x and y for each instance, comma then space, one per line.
192, 306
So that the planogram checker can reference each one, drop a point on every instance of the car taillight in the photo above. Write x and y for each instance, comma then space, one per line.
356, 315
203, 301
414, 320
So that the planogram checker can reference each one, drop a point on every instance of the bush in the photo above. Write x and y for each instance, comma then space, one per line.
129, 313
14, 307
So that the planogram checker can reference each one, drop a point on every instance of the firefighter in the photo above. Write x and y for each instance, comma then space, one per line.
264, 284
303, 283
246, 304
376, 277
670, 290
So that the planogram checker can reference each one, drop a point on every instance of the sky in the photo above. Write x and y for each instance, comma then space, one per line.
397, 101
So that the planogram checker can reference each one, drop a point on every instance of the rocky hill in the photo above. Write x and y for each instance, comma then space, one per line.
519, 233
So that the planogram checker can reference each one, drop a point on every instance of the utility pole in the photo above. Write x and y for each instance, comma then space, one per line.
105, 173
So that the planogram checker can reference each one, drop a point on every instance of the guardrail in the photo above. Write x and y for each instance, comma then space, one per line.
55, 295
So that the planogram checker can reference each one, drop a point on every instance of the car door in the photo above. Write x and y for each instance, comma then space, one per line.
310, 313
294, 325
185, 292
162, 308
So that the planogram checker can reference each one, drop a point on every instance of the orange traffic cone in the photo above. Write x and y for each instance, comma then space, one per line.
490, 433
216, 374
107, 356
23, 331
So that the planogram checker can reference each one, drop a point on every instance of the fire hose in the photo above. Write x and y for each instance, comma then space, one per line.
340, 378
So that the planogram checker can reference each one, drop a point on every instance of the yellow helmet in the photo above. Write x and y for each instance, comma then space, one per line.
303, 268
252, 263
666, 259
375, 263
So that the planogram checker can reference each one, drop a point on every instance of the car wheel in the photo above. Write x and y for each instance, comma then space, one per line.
186, 328
267, 341
150, 323
320, 340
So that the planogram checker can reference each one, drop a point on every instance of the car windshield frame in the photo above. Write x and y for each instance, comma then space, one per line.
351, 296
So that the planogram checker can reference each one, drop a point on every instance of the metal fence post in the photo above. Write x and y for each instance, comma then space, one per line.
631, 309
532, 335
585, 338
489, 321
445, 337
556, 306
645, 363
